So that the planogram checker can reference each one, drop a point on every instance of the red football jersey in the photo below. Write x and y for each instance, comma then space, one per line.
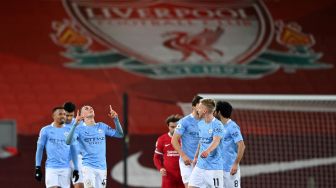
165, 155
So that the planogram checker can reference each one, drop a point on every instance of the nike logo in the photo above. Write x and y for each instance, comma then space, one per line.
167, 145
140, 176
6, 152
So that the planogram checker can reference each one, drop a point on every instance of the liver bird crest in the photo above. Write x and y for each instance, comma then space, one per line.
200, 43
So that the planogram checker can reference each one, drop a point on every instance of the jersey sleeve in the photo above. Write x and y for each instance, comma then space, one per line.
73, 134
218, 129
158, 154
180, 128
42, 139
235, 133
109, 131
159, 147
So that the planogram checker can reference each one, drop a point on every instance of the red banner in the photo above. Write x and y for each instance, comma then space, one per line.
160, 53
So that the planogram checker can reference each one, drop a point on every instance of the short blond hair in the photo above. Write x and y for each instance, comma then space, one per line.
210, 104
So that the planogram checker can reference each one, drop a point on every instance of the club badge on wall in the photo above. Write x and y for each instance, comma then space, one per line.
166, 40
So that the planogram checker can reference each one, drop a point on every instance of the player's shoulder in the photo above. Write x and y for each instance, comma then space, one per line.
182, 120
186, 119
101, 124
161, 137
46, 128
217, 122
181, 123
233, 124
165, 136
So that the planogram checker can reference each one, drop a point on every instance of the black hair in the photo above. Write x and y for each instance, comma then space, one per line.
173, 118
196, 100
69, 106
224, 108
57, 108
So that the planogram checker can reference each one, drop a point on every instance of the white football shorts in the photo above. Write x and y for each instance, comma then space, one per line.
57, 177
232, 181
94, 177
185, 171
206, 178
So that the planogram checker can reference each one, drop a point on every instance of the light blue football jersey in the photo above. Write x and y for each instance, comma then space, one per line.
231, 136
92, 140
58, 152
187, 127
207, 131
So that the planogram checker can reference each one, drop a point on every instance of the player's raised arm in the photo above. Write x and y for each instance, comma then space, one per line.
69, 138
119, 131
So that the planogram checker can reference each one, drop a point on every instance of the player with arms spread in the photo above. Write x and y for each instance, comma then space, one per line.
92, 139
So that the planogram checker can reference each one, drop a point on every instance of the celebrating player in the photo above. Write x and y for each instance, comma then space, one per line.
187, 130
53, 137
208, 171
92, 139
233, 145
166, 159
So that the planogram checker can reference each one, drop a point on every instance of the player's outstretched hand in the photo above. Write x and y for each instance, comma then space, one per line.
75, 175
38, 173
78, 118
113, 114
